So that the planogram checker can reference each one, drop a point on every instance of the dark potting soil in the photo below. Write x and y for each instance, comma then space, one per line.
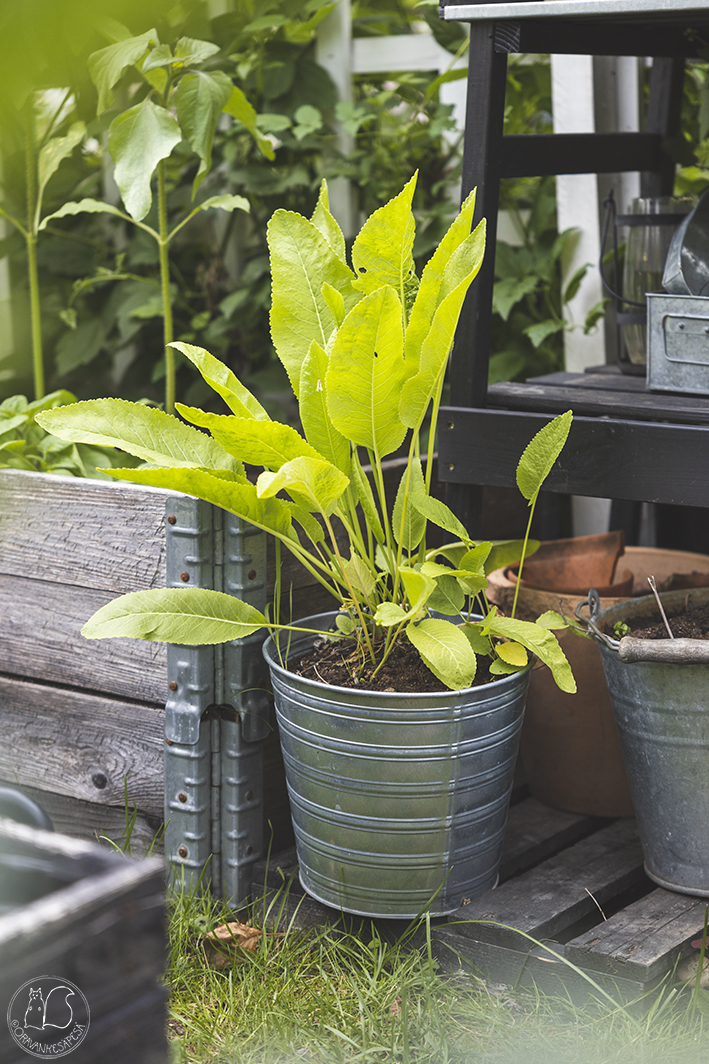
691, 624
334, 662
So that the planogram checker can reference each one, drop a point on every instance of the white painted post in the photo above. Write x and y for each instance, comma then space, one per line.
333, 51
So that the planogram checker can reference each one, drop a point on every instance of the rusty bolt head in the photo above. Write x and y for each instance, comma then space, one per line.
172, 520
184, 577
182, 852
182, 797
169, 742
252, 574
249, 795
172, 685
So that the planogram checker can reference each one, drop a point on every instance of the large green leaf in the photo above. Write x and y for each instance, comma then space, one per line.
140, 430
219, 377
540, 454
367, 372
175, 615
319, 429
225, 202
419, 390
272, 515
189, 51
314, 479
138, 139
445, 650
448, 598
301, 262
428, 295
107, 65
84, 206
407, 523
382, 252
541, 642
266, 443
200, 99
323, 220
418, 587
436, 511
52, 153
239, 108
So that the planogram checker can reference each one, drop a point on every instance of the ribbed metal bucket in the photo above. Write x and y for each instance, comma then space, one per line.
662, 712
399, 801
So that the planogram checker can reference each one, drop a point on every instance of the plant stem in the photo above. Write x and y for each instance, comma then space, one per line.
524, 552
165, 287
31, 240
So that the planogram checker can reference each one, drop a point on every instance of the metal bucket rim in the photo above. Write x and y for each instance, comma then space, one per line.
618, 611
273, 663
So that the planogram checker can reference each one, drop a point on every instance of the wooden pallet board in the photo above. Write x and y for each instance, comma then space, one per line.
574, 884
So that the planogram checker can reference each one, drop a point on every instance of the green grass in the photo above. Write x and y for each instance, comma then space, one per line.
335, 995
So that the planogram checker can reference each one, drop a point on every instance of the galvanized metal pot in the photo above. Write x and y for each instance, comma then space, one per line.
660, 695
399, 801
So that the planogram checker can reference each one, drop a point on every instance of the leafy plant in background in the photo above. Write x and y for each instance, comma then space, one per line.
528, 298
45, 148
24, 444
366, 348
142, 137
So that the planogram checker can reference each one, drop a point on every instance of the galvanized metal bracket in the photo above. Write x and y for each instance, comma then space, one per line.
218, 710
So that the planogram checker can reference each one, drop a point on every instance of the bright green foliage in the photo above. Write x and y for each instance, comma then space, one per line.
24, 444
350, 372
540, 454
182, 615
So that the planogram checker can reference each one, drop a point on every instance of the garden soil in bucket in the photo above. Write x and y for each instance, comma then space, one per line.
660, 694
570, 746
399, 801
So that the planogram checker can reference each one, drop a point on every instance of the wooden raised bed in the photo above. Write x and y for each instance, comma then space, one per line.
77, 912
83, 721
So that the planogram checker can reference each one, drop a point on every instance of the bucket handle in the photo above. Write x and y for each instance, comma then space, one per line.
594, 605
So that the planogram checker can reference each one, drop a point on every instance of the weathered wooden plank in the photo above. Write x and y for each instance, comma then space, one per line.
91, 822
40, 628
598, 397
87, 533
81, 745
644, 940
535, 832
606, 457
559, 892
540, 968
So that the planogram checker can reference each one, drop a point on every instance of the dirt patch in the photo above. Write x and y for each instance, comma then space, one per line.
690, 624
335, 662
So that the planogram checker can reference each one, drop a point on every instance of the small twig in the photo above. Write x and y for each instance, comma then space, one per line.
595, 903
651, 582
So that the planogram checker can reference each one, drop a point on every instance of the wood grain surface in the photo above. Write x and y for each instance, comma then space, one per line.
81, 745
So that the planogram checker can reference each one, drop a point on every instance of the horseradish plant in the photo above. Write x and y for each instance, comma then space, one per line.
366, 348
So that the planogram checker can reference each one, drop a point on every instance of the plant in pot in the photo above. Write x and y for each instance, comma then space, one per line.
655, 654
399, 712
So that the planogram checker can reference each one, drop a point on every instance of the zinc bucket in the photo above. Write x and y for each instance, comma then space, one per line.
399, 801
660, 695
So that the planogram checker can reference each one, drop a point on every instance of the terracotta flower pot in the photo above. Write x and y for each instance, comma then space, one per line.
570, 744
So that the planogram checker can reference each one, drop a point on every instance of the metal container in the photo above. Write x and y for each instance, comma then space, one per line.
678, 345
661, 708
399, 801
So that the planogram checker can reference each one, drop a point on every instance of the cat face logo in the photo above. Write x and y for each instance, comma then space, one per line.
48, 1016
